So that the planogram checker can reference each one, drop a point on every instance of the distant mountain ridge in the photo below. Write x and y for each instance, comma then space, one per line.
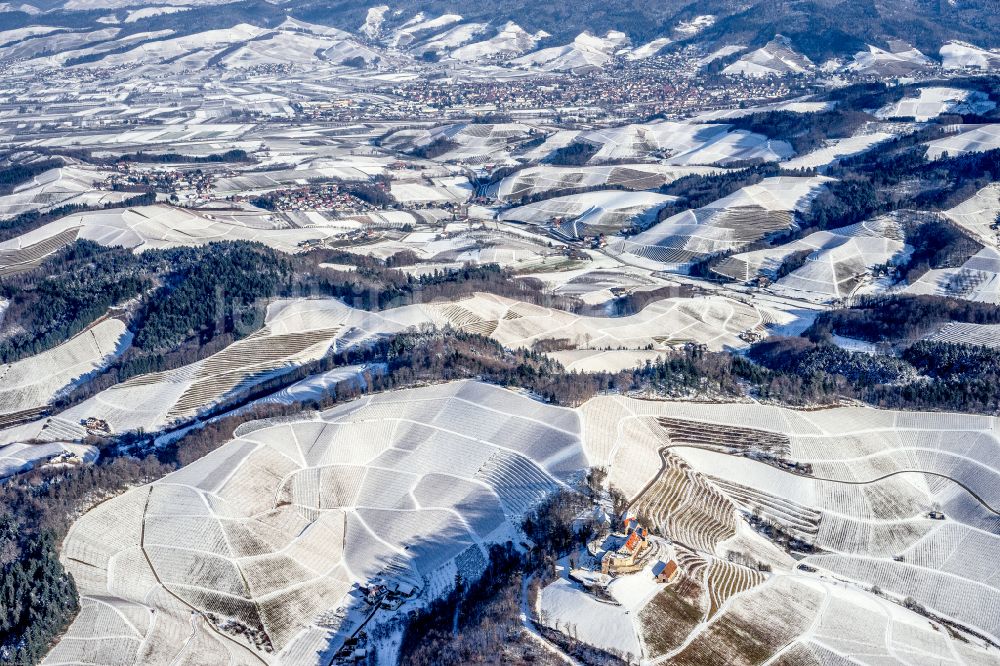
819, 30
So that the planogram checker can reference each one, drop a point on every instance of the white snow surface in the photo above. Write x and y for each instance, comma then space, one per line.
932, 101
969, 139
775, 58
585, 51
961, 55
288, 515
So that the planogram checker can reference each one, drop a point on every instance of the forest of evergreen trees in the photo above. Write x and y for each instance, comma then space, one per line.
909, 373
895, 318
577, 153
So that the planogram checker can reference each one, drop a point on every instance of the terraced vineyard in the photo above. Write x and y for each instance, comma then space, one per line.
725, 580
14, 260
974, 138
469, 143
899, 500
715, 322
298, 331
541, 179
146, 227
268, 533
987, 335
800, 521
592, 213
725, 438
684, 505
686, 144
681, 193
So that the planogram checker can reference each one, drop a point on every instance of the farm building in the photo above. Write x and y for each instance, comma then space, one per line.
665, 572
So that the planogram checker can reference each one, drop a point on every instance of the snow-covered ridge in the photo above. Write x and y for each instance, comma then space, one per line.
586, 50
777, 57
962, 55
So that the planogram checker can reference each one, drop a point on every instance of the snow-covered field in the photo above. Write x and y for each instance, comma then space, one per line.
599, 623
970, 139
16, 458
29, 385
541, 179
932, 101
160, 227
602, 360
59, 187
901, 60
474, 144
222, 135
978, 214
586, 51
137, 14
794, 105
236, 47
775, 58
978, 279
317, 387
407, 32
453, 189
469, 143
730, 223
839, 260
53, 41
837, 149
713, 320
271, 530
798, 533
962, 55
296, 332
682, 144
504, 245
510, 40
351, 168
591, 213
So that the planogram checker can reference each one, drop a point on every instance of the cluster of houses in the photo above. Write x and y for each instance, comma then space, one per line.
194, 183
379, 594
96, 426
388, 595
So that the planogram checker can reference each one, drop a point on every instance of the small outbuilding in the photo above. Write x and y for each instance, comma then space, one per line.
665, 572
